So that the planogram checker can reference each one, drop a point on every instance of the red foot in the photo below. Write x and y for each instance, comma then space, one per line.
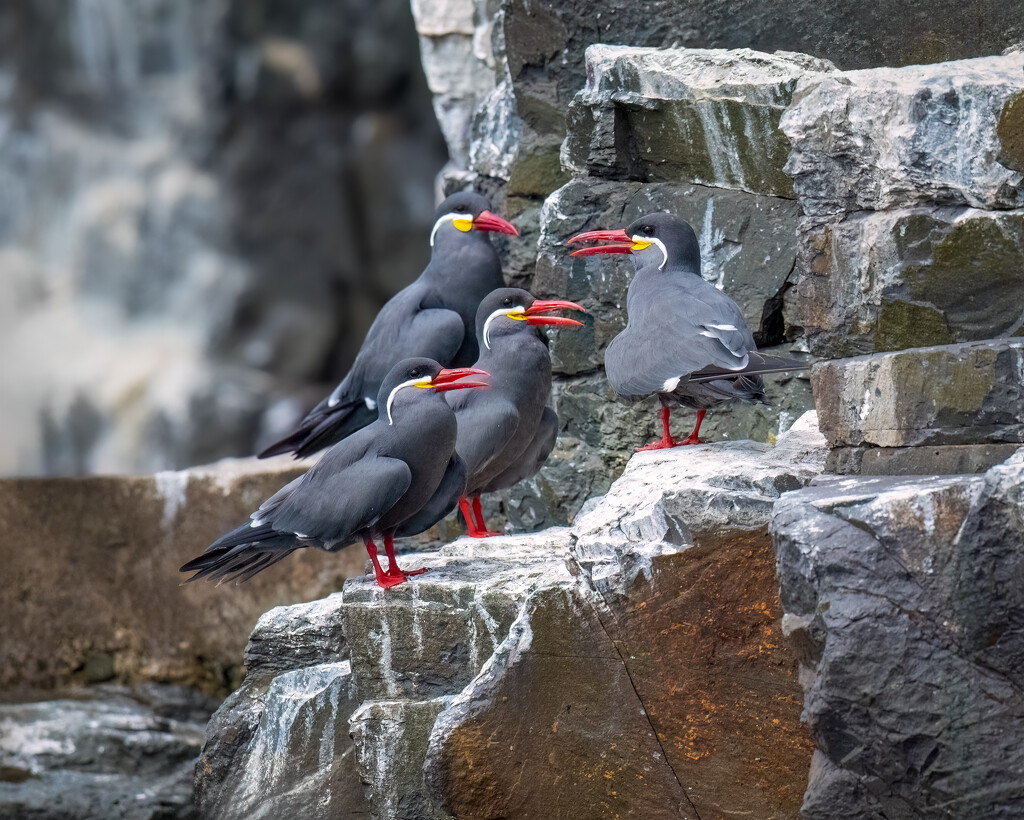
667, 441
663, 444
475, 533
411, 572
386, 581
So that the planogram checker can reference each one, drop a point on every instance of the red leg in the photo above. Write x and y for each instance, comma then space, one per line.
481, 525
383, 579
471, 528
393, 569
694, 437
666, 435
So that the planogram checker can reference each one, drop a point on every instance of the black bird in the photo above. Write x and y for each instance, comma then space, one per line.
684, 339
369, 486
432, 317
507, 432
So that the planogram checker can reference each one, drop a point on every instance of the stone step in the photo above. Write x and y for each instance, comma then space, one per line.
707, 116
429, 638
929, 275
947, 459
970, 393
887, 138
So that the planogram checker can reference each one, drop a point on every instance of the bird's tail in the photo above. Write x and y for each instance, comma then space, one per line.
323, 427
240, 554
759, 365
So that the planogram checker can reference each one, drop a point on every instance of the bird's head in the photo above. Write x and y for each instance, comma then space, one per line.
414, 380
657, 239
512, 310
465, 212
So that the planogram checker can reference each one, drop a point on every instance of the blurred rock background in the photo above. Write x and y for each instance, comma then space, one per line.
202, 207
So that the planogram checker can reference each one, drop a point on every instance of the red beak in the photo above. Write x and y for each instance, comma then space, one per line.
491, 222
619, 242
534, 312
448, 379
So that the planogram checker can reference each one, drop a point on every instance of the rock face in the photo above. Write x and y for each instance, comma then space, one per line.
646, 133
108, 752
533, 56
903, 596
640, 105
888, 138
953, 394
552, 674
910, 256
91, 587
917, 277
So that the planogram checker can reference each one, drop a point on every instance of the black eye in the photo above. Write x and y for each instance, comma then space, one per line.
460, 209
647, 230
507, 301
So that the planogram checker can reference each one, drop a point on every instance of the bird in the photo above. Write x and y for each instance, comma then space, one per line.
370, 486
433, 317
507, 432
685, 340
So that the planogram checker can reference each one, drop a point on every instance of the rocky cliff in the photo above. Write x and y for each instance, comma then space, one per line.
641, 661
632, 665
720, 630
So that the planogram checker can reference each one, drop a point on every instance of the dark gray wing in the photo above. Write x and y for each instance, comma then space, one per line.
533, 458
331, 503
403, 329
675, 331
487, 423
442, 502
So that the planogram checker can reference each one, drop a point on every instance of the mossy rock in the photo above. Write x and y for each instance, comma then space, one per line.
902, 325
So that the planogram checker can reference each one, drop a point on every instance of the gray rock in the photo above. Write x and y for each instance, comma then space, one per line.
707, 116
949, 459
545, 46
110, 752
955, 394
392, 737
520, 739
457, 60
888, 280
904, 599
428, 639
298, 636
528, 671
279, 746
668, 499
893, 137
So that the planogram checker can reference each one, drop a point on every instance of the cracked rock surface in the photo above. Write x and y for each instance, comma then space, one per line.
632, 665
904, 598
